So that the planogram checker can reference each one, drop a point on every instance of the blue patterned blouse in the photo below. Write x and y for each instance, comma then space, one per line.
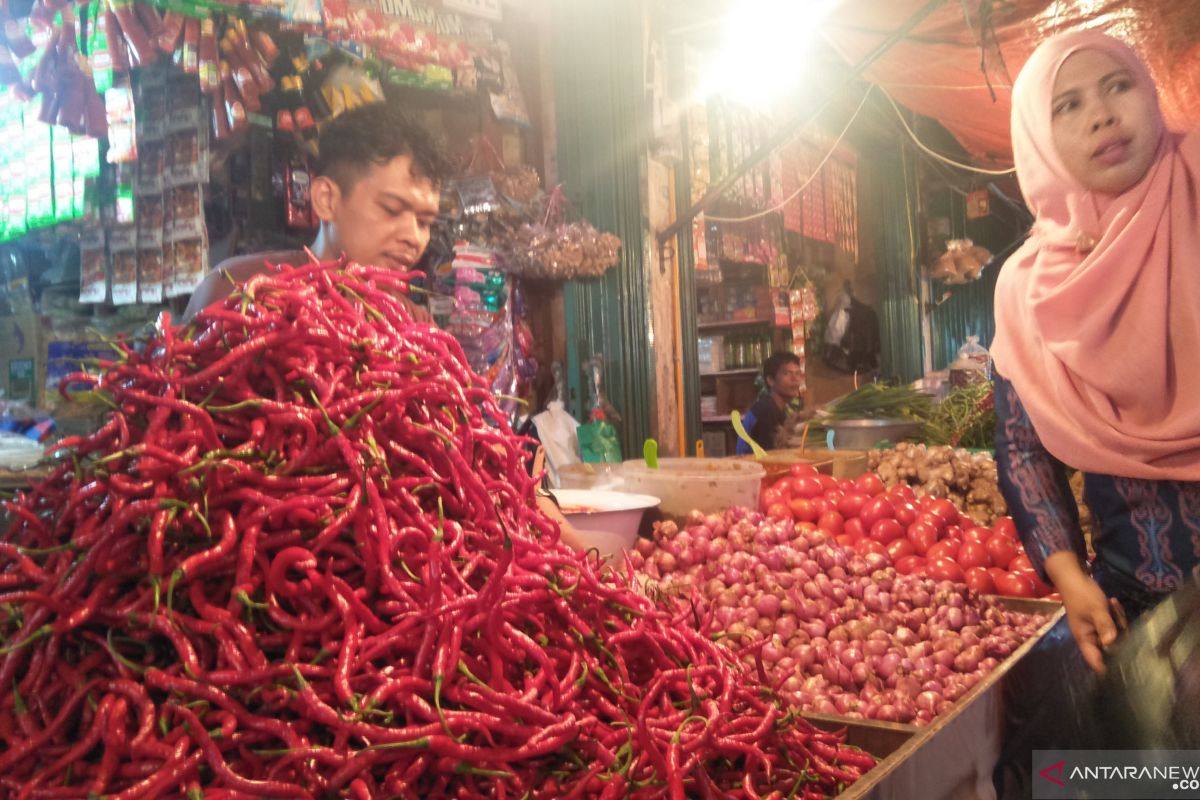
1146, 533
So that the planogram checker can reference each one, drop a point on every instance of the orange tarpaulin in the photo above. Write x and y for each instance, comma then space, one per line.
958, 65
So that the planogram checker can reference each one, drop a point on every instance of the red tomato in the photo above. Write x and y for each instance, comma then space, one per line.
904, 492
906, 513
996, 572
852, 503
802, 470
1014, 584
953, 532
933, 521
847, 539
846, 485
906, 565
945, 569
769, 498
977, 534
869, 484
804, 510
1006, 526
855, 527
831, 522
899, 548
946, 548
922, 536
806, 486
1055, 596
865, 546
1001, 549
823, 506
886, 531
878, 508
828, 482
1021, 562
945, 509
1040, 587
779, 511
973, 554
979, 580
805, 527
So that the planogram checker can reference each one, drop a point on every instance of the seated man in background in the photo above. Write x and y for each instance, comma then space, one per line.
376, 190
784, 375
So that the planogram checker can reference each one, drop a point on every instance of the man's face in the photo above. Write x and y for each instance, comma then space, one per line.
787, 381
385, 218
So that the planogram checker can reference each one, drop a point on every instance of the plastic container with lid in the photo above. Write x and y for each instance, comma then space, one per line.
708, 485
973, 364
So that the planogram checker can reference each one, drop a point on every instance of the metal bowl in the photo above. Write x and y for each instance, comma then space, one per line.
863, 434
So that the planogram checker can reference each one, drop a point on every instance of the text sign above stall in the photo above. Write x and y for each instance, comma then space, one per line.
488, 9
445, 23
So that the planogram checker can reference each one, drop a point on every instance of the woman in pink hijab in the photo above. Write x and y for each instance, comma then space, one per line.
1097, 346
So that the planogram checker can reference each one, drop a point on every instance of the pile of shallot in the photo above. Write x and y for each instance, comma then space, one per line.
836, 631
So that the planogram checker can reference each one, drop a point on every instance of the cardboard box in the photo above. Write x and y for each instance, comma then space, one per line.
21, 357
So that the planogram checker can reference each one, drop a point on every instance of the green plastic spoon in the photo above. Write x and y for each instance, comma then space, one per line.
736, 418
650, 453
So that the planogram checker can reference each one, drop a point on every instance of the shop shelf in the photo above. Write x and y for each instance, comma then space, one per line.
735, 323
732, 373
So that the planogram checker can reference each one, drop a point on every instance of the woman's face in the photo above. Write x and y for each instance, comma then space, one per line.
1104, 122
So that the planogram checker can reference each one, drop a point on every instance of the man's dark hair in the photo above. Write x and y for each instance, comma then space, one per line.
372, 135
776, 362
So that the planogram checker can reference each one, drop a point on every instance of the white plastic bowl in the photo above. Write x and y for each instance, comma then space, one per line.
607, 521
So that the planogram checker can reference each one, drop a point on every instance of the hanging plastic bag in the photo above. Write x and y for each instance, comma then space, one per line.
561, 250
598, 441
558, 431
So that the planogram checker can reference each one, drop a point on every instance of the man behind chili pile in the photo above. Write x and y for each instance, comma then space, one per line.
376, 188
783, 374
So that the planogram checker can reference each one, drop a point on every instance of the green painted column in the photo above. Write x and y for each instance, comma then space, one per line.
892, 190
599, 119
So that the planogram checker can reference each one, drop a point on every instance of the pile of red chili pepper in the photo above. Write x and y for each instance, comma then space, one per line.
303, 558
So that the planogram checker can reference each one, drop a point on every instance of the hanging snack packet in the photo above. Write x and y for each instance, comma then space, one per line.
189, 263
93, 266
122, 246
187, 211
150, 274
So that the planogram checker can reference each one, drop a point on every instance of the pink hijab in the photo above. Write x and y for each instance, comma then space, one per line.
1098, 313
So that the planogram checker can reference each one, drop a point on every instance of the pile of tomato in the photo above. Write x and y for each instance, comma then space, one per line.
921, 535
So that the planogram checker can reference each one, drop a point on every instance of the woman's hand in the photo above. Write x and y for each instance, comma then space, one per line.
1088, 611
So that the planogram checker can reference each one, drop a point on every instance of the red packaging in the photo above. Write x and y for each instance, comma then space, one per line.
172, 30
247, 89
151, 20
233, 103
236, 35
18, 42
45, 74
265, 46
284, 121
188, 56
220, 115
210, 70
95, 115
141, 47
116, 42
297, 185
